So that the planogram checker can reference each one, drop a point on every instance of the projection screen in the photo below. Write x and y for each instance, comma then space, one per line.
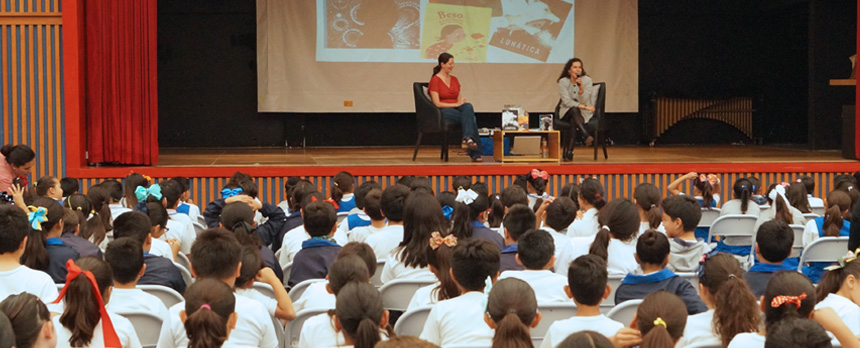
327, 56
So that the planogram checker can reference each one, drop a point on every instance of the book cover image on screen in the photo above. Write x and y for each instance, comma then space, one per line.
459, 30
532, 26
384, 24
